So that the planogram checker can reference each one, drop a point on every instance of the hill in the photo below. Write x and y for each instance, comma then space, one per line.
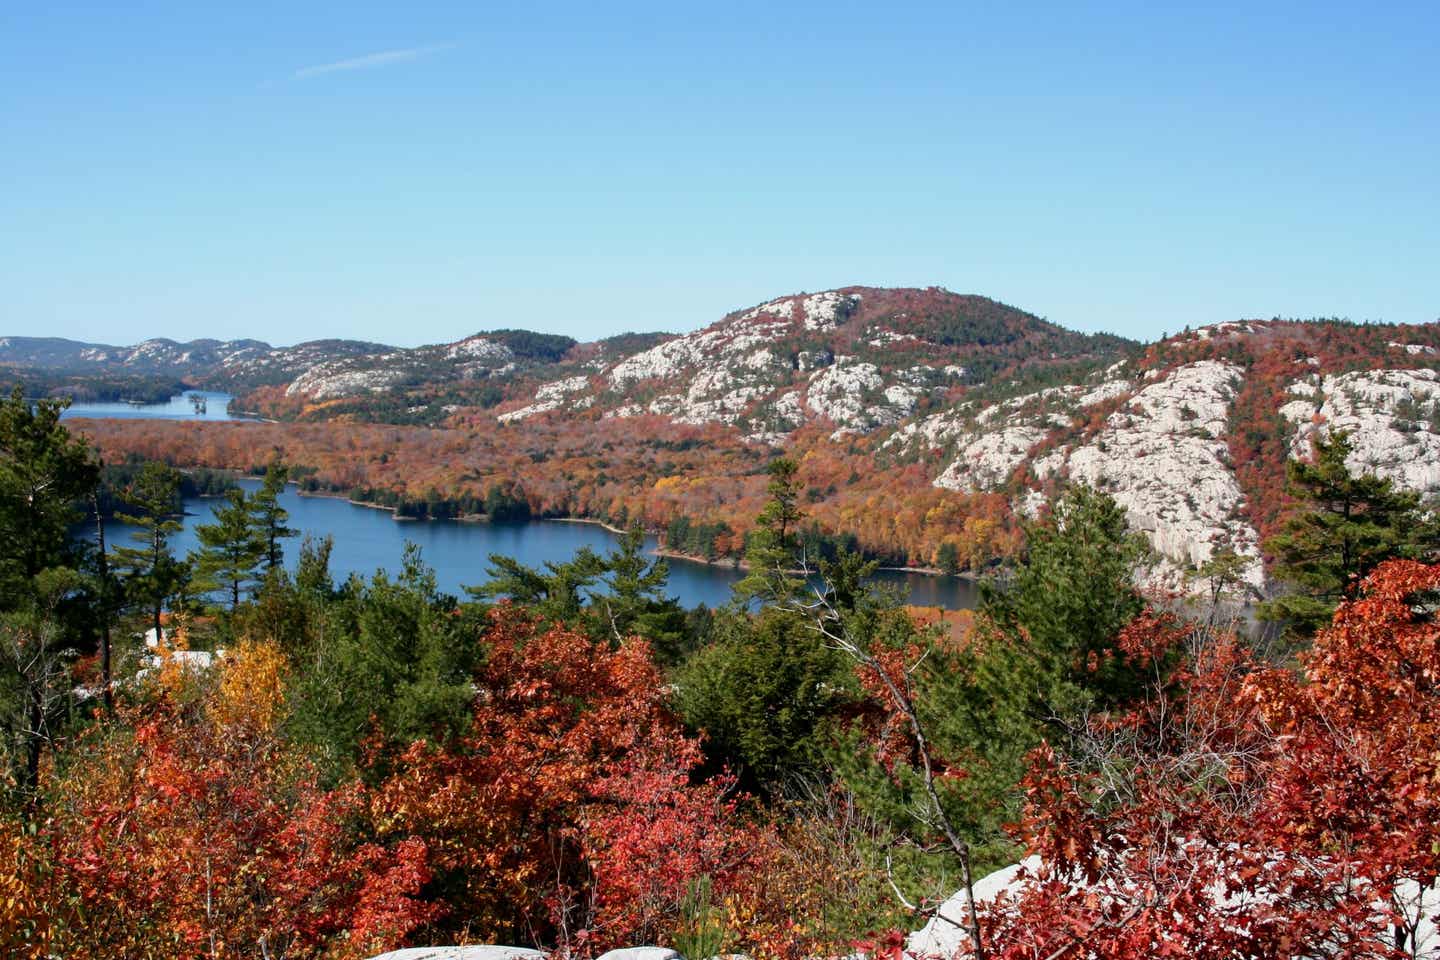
927, 423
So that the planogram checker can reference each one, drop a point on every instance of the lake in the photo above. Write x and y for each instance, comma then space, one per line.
367, 540
178, 407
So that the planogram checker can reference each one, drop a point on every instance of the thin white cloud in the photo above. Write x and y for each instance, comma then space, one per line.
369, 61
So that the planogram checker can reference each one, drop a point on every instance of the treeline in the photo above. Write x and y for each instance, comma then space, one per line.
643, 468
92, 387
499, 504
116, 478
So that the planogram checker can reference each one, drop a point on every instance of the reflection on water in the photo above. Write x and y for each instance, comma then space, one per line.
190, 405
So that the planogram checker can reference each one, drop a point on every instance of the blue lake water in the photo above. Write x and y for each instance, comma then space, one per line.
178, 407
367, 540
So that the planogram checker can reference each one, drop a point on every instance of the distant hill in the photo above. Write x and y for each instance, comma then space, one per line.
969, 412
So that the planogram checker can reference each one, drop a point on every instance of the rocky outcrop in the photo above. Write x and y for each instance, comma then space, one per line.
1392, 416
484, 952
489, 952
549, 396
1162, 455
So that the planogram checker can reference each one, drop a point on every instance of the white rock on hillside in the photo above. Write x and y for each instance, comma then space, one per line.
1391, 416
1164, 459
479, 348
822, 310
334, 379
1414, 349
945, 933
988, 460
840, 391
548, 396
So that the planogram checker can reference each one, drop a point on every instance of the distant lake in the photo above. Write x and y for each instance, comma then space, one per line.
216, 406
367, 540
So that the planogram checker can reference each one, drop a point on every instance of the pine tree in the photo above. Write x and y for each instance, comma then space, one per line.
230, 548
152, 572
772, 552
635, 600
1344, 526
44, 472
269, 517
1063, 606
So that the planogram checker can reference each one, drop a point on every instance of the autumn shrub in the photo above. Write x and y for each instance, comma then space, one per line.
190, 826
563, 813
1239, 809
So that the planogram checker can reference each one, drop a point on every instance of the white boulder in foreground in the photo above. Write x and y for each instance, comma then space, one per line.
492, 952
641, 953
945, 934
485, 952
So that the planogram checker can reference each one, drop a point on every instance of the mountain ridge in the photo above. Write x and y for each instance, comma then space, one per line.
989, 408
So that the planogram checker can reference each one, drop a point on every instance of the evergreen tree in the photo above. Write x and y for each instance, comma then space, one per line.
1056, 617
269, 518
230, 548
1345, 525
634, 601
762, 692
44, 473
947, 558
152, 572
557, 593
392, 659
772, 551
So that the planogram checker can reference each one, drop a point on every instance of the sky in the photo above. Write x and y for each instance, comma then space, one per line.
413, 173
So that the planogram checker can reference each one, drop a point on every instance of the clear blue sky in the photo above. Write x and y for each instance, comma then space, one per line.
414, 172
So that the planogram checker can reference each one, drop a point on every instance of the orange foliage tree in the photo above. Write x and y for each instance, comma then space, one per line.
192, 829
564, 813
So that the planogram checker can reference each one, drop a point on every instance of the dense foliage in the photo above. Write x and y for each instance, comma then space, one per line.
568, 760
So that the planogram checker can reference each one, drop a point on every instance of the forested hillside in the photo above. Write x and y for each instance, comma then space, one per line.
927, 424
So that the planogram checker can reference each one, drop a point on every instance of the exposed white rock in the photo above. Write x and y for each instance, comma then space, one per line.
1414, 349
838, 391
640, 953
335, 379
1029, 504
808, 360
945, 934
1390, 415
783, 308
1108, 390
822, 310
548, 396
479, 348
485, 952
987, 460
1164, 459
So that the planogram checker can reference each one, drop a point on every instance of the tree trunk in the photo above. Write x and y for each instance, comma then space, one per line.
105, 675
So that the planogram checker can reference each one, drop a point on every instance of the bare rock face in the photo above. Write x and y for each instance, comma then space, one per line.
857, 360
334, 379
490, 952
484, 952
548, 397
1164, 459
1392, 417
1162, 456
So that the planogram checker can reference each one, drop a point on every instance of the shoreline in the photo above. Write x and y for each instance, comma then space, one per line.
732, 563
